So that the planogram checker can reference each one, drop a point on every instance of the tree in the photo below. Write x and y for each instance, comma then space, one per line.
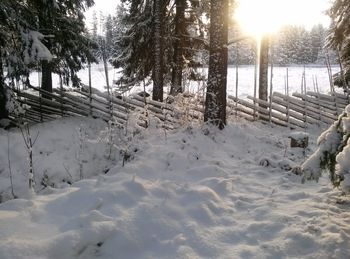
215, 102
318, 37
19, 43
183, 29
158, 70
339, 36
134, 41
178, 62
62, 23
332, 154
263, 67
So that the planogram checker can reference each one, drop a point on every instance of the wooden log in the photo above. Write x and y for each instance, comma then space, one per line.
39, 115
105, 113
300, 105
307, 115
53, 103
341, 96
104, 101
97, 107
277, 118
321, 105
159, 105
317, 103
282, 109
44, 107
329, 98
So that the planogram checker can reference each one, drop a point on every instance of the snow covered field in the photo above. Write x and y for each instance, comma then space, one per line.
192, 193
195, 192
245, 79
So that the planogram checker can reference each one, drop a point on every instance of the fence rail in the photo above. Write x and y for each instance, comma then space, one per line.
296, 111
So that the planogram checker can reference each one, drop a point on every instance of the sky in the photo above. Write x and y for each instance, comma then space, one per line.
301, 12
257, 16
104, 6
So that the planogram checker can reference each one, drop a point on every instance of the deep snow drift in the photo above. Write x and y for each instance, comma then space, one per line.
192, 193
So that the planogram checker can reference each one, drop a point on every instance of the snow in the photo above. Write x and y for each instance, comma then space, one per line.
35, 49
195, 192
245, 79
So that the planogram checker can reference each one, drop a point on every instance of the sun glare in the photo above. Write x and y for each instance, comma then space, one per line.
258, 17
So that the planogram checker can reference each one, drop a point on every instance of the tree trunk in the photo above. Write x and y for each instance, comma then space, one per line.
3, 110
158, 72
263, 68
46, 77
176, 77
215, 101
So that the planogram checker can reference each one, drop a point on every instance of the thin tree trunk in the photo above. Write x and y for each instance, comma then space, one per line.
3, 110
46, 77
263, 68
90, 88
215, 102
176, 77
158, 79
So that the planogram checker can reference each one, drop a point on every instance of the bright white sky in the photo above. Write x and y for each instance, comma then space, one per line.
261, 16
256, 16
104, 6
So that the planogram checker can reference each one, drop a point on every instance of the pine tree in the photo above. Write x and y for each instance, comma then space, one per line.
134, 41
215, 102
183, 33
317, 35
339, 37
62, 23
263, 67
19, 43
158, 30
178, 62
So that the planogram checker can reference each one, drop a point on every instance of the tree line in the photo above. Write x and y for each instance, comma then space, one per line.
290, 45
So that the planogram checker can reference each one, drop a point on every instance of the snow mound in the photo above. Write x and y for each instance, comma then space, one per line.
185, 194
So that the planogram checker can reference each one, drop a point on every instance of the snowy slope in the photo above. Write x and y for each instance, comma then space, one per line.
194, 193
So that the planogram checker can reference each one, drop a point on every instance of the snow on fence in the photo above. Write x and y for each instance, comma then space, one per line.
58, 104
296, 111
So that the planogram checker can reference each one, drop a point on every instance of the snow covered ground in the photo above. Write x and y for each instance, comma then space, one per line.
195, 192
192, 193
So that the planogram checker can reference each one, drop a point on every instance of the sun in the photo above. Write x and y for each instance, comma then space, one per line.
258, 17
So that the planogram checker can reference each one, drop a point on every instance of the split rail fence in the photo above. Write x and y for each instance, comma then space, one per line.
296, 111
38, 105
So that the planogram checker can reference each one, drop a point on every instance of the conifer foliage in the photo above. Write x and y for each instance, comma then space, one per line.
339, 37
158, 39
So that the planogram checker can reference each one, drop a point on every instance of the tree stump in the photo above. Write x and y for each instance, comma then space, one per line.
299, 139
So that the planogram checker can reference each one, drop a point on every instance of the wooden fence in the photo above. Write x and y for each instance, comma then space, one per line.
35, 108
296, 111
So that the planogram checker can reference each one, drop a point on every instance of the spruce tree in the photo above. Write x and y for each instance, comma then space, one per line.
20, 45
183, 32
215, 102
62, 23
339, 36
178, 61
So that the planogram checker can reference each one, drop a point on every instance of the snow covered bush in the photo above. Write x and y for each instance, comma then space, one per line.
332, 154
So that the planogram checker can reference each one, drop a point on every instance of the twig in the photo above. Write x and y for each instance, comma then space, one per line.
9, 164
